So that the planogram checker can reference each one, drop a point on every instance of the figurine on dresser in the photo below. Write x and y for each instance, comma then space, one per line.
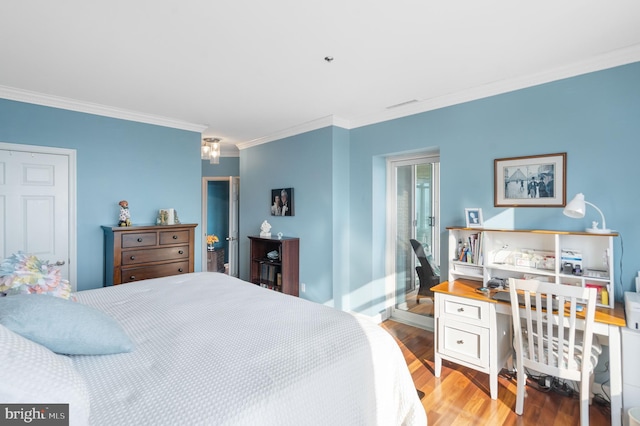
125, 216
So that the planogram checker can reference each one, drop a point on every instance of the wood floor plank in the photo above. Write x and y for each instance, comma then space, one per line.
460, 396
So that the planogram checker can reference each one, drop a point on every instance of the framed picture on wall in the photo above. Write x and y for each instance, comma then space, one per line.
282, 202
533, 181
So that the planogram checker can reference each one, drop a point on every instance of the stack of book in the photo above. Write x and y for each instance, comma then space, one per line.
269, 276
471, 250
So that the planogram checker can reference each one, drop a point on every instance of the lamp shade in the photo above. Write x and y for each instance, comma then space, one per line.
210, 150
205, 150
576, 208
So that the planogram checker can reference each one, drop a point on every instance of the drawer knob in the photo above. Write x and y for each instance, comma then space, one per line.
132, 258
460, 309
180, 251
175, 237
132, 277
139, 240
179, 269
460, 342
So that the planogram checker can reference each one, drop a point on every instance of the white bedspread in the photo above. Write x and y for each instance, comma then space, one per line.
215, 350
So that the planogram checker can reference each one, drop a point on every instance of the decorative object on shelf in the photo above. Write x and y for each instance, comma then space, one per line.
273, 255
265, 229
125, 215
282, 202
474, 217
211, 240
577, 208
532, 181
279, 234
210, 150
167, 217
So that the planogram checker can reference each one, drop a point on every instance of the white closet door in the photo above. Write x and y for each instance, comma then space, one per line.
34, 206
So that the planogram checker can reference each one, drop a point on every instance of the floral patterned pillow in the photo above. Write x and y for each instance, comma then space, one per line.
23, 273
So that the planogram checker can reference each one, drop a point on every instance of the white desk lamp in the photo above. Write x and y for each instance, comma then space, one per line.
577, 208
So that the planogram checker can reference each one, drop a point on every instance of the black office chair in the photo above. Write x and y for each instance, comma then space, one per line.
428, 274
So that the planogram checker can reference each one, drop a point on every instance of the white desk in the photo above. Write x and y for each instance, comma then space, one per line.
474, 330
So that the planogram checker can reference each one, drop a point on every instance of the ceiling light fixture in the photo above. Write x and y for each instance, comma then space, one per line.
210, 150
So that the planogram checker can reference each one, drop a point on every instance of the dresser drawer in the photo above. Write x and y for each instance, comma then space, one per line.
464, 342
174, 237
142, 239
464, 309
134, 257
156, 271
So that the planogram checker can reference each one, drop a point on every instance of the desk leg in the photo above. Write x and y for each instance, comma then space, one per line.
437, 368
615, 374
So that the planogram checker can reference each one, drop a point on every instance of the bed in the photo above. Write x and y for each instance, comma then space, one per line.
211, 349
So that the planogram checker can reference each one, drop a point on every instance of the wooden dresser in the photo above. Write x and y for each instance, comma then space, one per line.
134, 253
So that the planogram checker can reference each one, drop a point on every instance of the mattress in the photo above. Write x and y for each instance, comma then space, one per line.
214, 350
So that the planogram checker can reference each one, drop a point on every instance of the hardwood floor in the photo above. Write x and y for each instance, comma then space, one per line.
460, 396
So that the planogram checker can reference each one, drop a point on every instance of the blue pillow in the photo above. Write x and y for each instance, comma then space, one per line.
63, 326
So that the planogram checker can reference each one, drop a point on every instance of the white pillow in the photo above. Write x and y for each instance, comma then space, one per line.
32, 374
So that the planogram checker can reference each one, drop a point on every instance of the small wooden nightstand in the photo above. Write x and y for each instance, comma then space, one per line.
215, 261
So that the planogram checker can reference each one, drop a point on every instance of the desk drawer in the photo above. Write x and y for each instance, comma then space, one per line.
136, 257
467, 310
464, 342
145, 272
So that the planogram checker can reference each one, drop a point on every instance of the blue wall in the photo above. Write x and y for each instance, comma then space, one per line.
150, 166
594, 118
305, 163
229, 166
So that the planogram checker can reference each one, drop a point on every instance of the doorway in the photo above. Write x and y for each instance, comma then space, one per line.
413, 197
220, 211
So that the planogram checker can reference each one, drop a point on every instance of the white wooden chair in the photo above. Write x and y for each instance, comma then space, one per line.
550, 343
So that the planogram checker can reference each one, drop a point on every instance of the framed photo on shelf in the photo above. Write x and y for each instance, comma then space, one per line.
282, 202
532, 181
474, 217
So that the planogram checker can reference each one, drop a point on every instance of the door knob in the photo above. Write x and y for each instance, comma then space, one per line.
60, 262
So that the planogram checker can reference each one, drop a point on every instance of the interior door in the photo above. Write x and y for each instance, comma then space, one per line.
413, 205
234, 208
37, 205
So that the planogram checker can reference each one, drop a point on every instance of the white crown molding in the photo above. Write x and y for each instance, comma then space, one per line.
97, 109
609, 60
229, 150
320, 123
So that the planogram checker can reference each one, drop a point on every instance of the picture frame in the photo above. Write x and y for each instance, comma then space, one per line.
531, 181
282, 202
473, 217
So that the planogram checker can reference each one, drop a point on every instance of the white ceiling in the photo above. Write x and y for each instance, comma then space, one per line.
248, 71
